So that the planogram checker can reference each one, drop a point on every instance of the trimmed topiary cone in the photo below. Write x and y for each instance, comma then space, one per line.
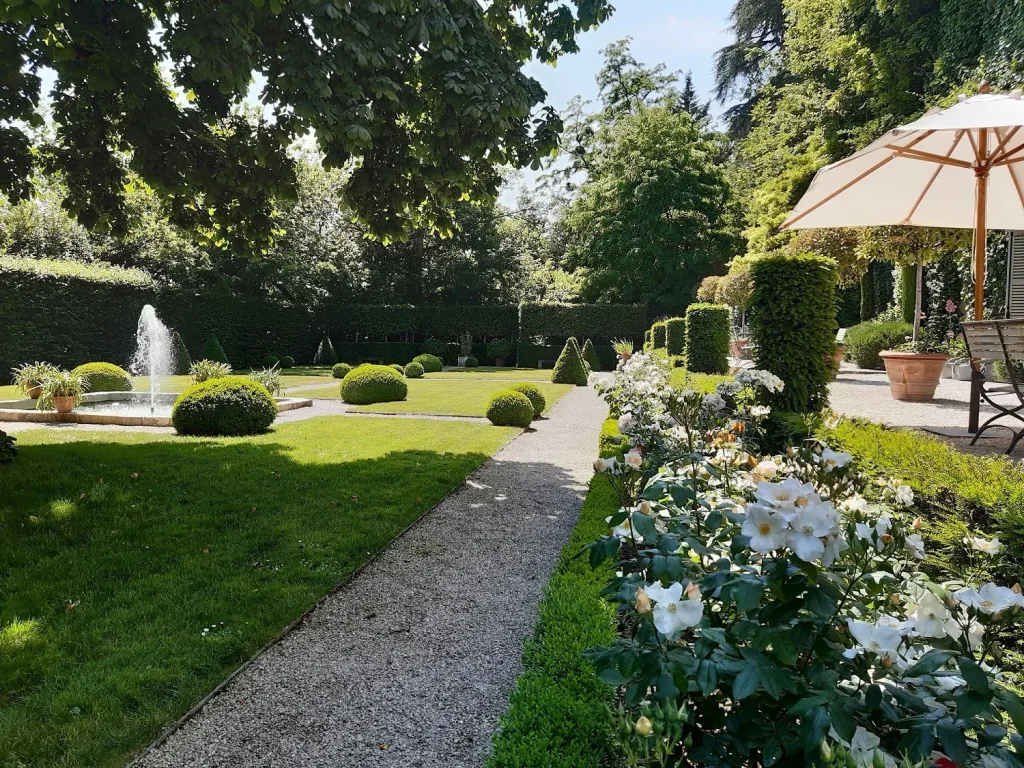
212, 350
590, 356
325, 354
182, 359
570, 369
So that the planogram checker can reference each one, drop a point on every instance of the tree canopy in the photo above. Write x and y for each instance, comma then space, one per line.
421, 101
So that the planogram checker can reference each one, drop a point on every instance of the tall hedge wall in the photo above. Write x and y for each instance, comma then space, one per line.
70, 313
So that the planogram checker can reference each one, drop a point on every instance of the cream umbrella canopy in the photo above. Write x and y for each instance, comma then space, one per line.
961, 167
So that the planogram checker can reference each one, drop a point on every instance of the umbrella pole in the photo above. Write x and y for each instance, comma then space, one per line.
980, 240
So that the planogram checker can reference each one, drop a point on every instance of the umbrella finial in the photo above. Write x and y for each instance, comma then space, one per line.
984, 87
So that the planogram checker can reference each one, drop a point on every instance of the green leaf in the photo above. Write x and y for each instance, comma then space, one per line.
872, 697
953, 741
784, 648
974, 675
612, 676
747, 595
971, 703
819, 603
842, 721
644, 525
707, 676
1014, 708
770, 754
746, 682
814, 728
918, 742
928, 663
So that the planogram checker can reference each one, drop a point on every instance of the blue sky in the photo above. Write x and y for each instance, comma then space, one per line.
683, 34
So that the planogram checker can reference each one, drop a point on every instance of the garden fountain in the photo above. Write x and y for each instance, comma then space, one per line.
153, 351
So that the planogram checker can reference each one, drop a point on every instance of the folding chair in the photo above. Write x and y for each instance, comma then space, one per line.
990, 341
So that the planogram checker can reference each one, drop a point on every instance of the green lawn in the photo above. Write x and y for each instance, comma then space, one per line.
138, 570
493, 374
444, 397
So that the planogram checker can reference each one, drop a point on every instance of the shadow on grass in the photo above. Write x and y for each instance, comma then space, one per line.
136, 576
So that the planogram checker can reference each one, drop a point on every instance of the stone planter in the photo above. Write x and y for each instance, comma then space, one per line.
64, 404
33, 393
913, 376
837, 359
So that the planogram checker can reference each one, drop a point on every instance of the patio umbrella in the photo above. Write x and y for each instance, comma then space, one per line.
959, 167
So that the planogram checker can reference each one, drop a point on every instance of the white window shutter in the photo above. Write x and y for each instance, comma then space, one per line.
1015, 277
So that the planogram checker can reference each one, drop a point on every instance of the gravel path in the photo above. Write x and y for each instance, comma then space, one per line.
411, 663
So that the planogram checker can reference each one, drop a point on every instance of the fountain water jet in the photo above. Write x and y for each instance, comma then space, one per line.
153, 351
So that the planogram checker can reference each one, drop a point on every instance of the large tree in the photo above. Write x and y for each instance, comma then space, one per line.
652, 219
424, 100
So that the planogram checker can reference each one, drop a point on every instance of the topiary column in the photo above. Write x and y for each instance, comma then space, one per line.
675, 336
707, 330
569, 368
658, 335
793, 326
590, 356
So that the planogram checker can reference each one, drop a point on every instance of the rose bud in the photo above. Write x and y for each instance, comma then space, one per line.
643, 602
643, 726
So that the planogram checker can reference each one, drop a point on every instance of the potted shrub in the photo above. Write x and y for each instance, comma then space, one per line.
62, 391
623, 348
498, 350
30, 377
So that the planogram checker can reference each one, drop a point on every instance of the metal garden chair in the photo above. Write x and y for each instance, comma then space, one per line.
990, 341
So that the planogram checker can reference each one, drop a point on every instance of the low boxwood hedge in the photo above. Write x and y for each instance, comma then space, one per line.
509, 408
866, 340
269, 361
369, 384
472, 362
287, 361
535, 396
103, 377
233, 405
430, 363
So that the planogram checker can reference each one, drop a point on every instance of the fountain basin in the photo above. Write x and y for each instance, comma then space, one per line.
128, 409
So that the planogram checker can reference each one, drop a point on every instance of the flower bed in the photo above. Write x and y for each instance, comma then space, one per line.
773, 607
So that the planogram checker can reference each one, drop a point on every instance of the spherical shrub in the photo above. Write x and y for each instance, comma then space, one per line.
287, 361
398, 368
865, 340
341, 370
430, 363
369, 384
533, 394
414, 370
510, 409
270, 361
103, 377
471, 362
233, 405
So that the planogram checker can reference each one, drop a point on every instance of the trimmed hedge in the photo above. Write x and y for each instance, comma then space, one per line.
866, 340
233, 405
270, 361
658, 335
590, 356
212, 350
675, 336
341, 370
793, 326
414, 370
103, 377
397, 368
287, 361
570, 368
509, 408
599, 321
560, 714
534, 395
430, 363
369, 384
530, 355
471, 362
704, 383
707, 331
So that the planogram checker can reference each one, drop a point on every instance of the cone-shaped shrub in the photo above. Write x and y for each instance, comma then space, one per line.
325, 354
369, 384
570, 368
590, 356
212, 350
182, 359
533, 393
510, 409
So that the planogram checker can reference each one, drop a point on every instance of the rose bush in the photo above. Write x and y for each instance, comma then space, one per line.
773, 608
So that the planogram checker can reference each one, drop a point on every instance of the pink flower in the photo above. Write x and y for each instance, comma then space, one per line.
950, 306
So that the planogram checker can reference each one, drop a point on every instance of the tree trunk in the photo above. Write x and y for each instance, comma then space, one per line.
908, 291
918, 296
867, 296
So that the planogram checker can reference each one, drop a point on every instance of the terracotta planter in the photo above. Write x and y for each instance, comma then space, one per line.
913, 376
33, 393
626, 356
837, 359
64, 404
499, 362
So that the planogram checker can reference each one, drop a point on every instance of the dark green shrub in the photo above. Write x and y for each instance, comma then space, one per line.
234, 405
675, 336
212, 350
341, 370
590, 356
866, 340
430, 363
510, 409
325, 354
499, 349
600, 321
658, 335
570, 368
793, 326
435, 347
707, 333
103, 377
648, 340
182, 359
270, 361
287, 361
535, 396
471, 362
414, 370
369, 384
8, 449
397, 367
